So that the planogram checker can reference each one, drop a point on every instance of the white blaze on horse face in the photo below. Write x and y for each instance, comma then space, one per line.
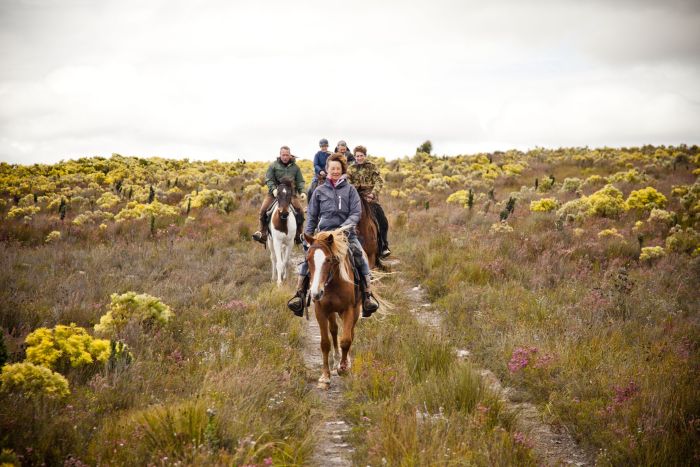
319, 259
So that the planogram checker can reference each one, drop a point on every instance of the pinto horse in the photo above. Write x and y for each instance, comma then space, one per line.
282, 228
335, 295
367, 229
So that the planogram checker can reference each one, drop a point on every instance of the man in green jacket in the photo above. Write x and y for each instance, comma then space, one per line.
284, 166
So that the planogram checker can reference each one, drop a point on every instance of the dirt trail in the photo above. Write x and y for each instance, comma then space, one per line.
552, 447
331, 447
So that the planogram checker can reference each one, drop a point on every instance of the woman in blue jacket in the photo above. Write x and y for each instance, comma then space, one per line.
336, 204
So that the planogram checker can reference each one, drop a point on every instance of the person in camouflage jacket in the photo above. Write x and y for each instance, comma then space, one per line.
365, 174
284, 166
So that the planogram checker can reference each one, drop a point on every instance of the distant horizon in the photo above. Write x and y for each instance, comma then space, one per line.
433, 153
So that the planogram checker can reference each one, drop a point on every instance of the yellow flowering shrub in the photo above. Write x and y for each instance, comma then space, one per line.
136, 210
570, 184
500, 228
459, 197
544, 205
398, 194
578, 232
108, 200
650, 253
683, 240
606, 202
33, 381
631, 176
610, 233
130, 306
18, 212
26, 201
92, 217
53, 236
645, 199
594, 180
62, 346
224, 202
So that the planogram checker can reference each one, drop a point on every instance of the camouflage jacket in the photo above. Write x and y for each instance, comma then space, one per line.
367, 175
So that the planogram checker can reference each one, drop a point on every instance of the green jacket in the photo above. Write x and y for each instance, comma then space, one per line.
277, 171
366, 174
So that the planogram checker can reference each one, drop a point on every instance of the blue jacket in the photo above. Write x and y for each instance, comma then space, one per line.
333, 207
320, 162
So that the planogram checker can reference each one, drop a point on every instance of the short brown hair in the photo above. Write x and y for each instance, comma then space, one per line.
362, 149
339, 158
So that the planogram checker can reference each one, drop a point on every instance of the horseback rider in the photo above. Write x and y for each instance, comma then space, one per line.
342, 148
336, 204
319, 166
365, 174
283, 166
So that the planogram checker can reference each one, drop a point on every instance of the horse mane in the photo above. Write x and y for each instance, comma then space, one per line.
287, 181
339, 248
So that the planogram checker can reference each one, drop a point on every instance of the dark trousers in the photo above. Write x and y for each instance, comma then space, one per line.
383, 224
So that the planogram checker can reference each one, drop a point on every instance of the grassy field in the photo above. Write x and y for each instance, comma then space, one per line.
573, 274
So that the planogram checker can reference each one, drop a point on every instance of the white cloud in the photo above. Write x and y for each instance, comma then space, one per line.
238, 79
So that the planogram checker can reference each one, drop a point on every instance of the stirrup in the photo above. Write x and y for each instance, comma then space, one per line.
296, 303
369, 305
260, 237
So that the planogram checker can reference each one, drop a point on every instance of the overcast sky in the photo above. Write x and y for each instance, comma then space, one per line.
237, 79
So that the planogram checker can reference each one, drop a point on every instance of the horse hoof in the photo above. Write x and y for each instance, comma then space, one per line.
342, 370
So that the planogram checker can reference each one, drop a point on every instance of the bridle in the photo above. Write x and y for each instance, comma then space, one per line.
332, 262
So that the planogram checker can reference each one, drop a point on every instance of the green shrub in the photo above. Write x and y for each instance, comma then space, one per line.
650, 253
683, 240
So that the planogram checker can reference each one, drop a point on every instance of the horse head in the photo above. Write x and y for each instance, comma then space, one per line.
327, 252
285, 191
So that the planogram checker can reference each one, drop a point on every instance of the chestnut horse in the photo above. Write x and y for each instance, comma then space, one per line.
367, 230
335, 295
282, 228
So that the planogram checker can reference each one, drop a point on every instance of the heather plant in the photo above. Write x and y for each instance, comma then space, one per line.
64, 347
17, 212
610, 233
606, 202
570, 184
108, 200
143, 309
224, 202
33, 381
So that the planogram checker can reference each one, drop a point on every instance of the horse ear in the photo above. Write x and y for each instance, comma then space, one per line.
309, 238
330, 239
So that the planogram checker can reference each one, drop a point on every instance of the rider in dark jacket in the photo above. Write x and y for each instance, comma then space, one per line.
319, 166
336, 204
284, 166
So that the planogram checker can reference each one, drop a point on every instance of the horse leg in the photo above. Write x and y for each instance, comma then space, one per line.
350, 317
280, 265
333, 324
324, 381
271, 247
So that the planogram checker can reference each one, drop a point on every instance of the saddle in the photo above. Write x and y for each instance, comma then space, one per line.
273, 206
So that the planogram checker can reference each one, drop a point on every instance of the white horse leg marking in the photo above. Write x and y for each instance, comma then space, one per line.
278, 254
319, 259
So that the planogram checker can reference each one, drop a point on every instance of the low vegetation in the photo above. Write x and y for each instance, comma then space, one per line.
139, 325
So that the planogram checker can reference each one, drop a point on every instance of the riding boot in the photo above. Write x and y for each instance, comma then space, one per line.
296, 304
369, 303
300, 228
261, 235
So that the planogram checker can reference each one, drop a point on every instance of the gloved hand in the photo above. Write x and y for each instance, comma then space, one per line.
302, 196
274, 192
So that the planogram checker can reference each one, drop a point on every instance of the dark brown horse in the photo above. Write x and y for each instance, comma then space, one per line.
367, 230
335, 295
